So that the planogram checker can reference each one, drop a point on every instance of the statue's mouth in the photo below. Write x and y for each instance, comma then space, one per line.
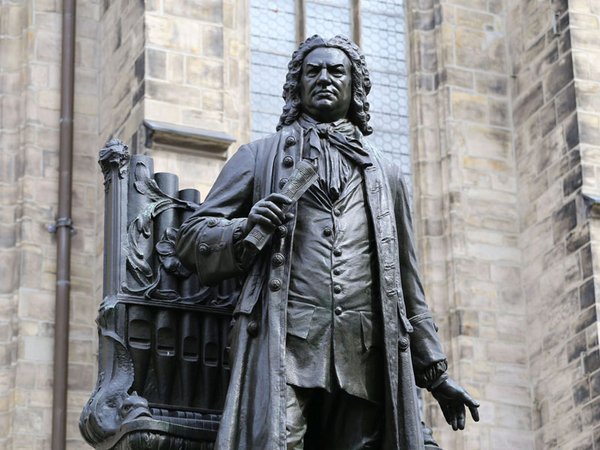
325, 94
136, 413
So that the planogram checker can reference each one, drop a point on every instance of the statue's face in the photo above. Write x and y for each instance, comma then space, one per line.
326, 84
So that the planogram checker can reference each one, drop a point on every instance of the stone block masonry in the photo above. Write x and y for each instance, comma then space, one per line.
128, 68
504, 133
556, 238
30, 35
505, 113
197, 75
467, 216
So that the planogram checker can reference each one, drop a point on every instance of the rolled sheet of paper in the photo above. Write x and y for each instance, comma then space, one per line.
301, 179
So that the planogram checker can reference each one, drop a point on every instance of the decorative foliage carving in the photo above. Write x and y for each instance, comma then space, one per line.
115, 154
140, 229
133, 334
110, 406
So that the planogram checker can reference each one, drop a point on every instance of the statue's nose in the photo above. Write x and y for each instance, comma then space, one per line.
323, 76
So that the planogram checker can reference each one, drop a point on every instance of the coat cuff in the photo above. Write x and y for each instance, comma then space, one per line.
429, 360
244, 256
438, 382
434, 375
213, 247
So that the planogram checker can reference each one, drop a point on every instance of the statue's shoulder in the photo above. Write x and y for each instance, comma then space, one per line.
265, 141
388, 165
273, 140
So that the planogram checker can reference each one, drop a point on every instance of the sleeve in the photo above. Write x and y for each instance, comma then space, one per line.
429, 360
210, 241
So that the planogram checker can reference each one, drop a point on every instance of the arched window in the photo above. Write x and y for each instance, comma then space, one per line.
378, 26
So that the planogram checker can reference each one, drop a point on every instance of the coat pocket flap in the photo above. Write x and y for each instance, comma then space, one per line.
366, 325
371, 335
299, 318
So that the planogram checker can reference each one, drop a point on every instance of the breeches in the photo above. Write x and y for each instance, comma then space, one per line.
319, 420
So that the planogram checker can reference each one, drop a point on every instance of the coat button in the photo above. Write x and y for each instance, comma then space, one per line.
252, 328
337, 252
337, 212
212, 222
275, 284
282, 182
338, 310
204, 249
327, 231
289, 141
337, 289
288, 161
403, 343
281, 231
278, 259
337, 271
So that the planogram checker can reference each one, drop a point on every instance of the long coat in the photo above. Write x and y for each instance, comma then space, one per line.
255, 409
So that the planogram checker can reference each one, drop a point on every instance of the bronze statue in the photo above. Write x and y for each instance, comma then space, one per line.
331, 331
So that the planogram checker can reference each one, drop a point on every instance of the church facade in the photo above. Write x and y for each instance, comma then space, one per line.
491, 106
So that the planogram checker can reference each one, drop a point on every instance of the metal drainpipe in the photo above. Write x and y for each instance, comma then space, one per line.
63, 229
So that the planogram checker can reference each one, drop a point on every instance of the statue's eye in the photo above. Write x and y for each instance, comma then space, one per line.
337, 71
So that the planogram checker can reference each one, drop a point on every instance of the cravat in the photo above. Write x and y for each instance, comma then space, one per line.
324, 141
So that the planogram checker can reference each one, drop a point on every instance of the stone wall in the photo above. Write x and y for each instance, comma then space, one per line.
181, 63
12, 42
465, 192
505, 115
30, 34
197, 75
121, 42
115, 91
12, 84
505, 153
584, 28
584, 19
557, 275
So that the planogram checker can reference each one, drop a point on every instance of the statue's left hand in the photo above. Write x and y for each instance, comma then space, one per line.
453, 399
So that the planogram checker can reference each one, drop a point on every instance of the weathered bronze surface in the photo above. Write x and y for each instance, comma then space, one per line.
305, 241
163, 357
332, 333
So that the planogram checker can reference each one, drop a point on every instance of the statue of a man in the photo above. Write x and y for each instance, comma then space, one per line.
331, 329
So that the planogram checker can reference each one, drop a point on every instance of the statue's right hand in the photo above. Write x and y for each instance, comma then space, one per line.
269, 212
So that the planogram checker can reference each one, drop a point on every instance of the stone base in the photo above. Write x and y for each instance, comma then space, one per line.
152, 434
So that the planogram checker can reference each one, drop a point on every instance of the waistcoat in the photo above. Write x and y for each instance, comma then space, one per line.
333, 332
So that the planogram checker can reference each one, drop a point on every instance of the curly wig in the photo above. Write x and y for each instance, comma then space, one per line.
361, 82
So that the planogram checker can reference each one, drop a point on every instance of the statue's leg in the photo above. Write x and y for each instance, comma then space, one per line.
350, 423
296, 416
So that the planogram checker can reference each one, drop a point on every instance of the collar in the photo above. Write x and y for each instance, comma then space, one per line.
341, 125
